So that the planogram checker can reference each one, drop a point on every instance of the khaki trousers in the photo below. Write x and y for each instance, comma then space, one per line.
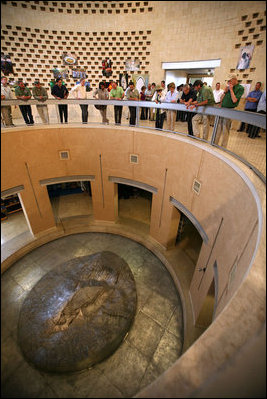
6, 113
223, 130
103, 113
171, 118
196, 120
43, 113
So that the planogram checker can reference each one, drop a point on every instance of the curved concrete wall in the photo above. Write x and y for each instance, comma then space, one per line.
229, 356
226, 208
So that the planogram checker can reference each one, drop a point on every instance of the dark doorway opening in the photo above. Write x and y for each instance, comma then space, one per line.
134, 203
71, 199
205, 316
188, 238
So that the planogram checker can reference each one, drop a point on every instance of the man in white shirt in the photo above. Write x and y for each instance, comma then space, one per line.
218, 92
261, 108
79, 92
6, 94
164, 90
262, 103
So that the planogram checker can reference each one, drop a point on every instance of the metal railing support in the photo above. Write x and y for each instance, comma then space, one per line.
214, 132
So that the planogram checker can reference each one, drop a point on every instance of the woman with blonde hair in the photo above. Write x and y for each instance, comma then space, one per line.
171, 97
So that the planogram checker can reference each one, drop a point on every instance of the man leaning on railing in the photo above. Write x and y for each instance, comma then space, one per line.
23, 93
230, 99
40, 94
204, 97
6, 94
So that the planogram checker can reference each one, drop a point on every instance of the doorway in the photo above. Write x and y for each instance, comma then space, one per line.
134, 203
71, 199
208, 309
188, 238
13, 220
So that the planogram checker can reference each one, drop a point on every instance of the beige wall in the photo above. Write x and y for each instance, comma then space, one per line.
167, 162
173, 31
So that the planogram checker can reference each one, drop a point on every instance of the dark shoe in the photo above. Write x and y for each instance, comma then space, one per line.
258, 136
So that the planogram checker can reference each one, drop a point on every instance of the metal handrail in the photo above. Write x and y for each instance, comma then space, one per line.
252, 118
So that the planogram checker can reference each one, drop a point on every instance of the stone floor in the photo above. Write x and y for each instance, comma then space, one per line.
154, 342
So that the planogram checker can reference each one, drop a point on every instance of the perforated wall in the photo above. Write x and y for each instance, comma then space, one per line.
253, 32
34, 52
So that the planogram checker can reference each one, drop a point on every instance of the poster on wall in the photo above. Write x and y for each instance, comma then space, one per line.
246, 91
132, 65
60, 73
69, 59
245, 57
140, 80
107, 67
78, 74
123, 80
6, 64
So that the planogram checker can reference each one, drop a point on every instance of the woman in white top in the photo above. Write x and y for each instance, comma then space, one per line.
79, 92
171, 97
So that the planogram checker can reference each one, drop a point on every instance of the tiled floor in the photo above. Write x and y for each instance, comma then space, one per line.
155, 340
152, 345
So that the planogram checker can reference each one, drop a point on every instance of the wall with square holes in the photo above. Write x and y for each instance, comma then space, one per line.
35, 33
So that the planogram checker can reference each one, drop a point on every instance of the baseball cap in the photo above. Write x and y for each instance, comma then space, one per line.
231, 76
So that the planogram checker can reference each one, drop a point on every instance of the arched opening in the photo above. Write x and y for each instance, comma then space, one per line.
208, 309
13, 220
206, 313
188, 238
134, 203
70, 199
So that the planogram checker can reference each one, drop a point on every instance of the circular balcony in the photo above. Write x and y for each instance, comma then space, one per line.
222, 197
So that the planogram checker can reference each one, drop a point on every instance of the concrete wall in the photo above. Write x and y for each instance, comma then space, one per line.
225, 208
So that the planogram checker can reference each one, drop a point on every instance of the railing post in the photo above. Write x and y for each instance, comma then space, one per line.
137, 115
57, 113
214, 132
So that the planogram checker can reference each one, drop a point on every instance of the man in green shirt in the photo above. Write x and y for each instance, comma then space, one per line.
230, 99
39, 93
117, 93
204, 97
23, 93
132, 94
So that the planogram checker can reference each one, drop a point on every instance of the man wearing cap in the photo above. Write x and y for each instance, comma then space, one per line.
23, 93
6, 94
230, 99
132, 95
39, 93
204, 97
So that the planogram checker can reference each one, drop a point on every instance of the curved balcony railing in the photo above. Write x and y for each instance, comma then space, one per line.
250, 152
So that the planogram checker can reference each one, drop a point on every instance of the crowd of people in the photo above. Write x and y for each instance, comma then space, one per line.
191, 95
